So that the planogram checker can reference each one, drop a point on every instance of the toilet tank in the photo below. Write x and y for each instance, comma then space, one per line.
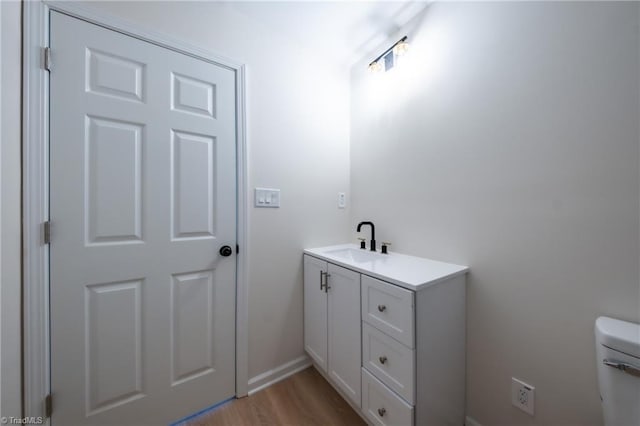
618, 362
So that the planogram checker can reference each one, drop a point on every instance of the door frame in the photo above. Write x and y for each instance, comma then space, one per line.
35, 197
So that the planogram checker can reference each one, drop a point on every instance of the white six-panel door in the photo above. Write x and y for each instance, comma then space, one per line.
143, 195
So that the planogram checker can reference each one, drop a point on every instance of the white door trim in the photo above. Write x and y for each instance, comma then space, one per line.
36, 188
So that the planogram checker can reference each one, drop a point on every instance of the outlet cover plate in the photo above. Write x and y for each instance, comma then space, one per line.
522, 395
342, 200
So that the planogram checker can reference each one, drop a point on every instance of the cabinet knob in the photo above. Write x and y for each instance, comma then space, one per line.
382, 308
383, 359
382, 412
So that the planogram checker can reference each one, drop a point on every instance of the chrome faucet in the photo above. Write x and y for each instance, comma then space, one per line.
373, 233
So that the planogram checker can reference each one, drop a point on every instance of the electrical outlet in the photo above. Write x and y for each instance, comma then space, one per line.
522, 395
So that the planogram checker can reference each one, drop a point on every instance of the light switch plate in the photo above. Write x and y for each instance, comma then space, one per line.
267, 197
342, 200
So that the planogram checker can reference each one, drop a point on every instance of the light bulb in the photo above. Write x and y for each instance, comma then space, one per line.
375, 66
401, 48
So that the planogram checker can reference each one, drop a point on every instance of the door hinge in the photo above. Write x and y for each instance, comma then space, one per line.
46, 232
48, 406
46, 55
237, 249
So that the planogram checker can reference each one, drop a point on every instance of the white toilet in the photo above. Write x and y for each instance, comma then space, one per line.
618, 357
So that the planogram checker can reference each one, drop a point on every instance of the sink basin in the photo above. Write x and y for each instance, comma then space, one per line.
355, 255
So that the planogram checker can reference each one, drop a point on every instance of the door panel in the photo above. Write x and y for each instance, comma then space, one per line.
113, 75
113, 181
193, 95
191, 322
114, 356
193, 183
143, 194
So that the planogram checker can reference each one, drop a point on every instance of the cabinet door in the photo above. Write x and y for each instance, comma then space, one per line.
344, 331
315, 311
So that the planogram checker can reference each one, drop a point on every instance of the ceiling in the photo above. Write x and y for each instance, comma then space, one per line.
344, 31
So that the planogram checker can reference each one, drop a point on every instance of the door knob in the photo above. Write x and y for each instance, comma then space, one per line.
226, 251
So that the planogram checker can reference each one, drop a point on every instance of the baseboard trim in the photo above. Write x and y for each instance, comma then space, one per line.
468, 421
277, 374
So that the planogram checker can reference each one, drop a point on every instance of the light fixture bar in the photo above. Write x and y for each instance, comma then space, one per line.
388, 50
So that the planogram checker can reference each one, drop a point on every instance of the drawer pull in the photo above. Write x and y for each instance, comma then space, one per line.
382, 308
383, 359
382, 412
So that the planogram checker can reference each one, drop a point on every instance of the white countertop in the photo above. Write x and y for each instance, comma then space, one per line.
410, 272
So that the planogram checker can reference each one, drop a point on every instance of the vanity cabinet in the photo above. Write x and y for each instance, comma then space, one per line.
389, 333
332, 324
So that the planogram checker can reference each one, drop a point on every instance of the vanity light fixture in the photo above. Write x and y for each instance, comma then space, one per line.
387, 57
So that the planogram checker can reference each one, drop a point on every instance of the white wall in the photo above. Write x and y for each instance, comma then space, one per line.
298, 137
508, 141
10, 275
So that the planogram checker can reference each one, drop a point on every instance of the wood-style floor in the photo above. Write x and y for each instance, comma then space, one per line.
302, 399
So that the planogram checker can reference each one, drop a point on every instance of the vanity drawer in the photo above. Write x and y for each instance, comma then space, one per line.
390, 361
382, 406
388, 308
